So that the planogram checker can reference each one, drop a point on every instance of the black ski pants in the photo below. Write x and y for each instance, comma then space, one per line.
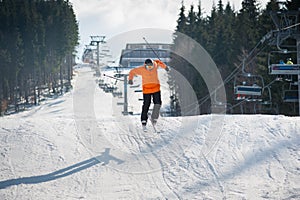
147, 101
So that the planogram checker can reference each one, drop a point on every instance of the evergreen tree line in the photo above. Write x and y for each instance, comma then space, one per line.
230, 37
37, 40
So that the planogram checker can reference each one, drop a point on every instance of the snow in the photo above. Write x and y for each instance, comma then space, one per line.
80, 146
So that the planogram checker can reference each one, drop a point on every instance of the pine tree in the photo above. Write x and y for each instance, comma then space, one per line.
191, 20
200, 31
230, 41
36, 37
247, 25
181, 22
293, 5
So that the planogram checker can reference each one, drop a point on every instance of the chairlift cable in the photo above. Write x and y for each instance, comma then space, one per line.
288, 27
235, 71
230, 76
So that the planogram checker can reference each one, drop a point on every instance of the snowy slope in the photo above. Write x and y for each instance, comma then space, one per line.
79, 146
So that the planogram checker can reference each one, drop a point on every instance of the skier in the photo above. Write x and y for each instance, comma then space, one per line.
151, 88
289, 61
289, 77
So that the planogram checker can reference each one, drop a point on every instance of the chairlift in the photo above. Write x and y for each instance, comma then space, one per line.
290, 96
284, 69
290, 93
248, 87
281, 68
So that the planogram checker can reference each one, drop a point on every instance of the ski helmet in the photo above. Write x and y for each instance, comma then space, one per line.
149, 64
148, 61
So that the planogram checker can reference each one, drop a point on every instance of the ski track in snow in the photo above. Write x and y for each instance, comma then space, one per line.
72, 147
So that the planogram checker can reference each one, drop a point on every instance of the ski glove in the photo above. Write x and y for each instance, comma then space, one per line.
130, 82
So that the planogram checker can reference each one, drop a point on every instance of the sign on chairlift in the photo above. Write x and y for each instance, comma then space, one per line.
248, 90
282, 69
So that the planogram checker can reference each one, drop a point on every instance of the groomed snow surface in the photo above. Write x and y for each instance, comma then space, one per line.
80, 146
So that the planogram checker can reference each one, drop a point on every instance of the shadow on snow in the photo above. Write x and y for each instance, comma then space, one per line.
103, 159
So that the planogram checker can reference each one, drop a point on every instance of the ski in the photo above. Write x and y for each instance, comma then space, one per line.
145, 129
154, 127
150, 115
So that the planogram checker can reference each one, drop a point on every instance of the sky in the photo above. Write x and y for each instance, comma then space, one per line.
111, 17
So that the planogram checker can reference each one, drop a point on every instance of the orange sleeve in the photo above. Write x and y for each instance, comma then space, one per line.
133, 72
161, 64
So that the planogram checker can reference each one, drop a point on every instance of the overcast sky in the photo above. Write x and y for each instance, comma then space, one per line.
112, 17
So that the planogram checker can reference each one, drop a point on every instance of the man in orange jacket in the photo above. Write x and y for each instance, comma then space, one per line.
151, 88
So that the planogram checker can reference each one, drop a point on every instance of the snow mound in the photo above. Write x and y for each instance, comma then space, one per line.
79, 146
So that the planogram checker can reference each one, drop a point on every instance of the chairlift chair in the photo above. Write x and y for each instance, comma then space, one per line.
290, 93
277, 68
290, 96
248, 87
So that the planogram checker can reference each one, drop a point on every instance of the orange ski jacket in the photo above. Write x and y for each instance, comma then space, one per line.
150, 80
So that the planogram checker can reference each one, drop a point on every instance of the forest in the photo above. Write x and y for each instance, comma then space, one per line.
240, 43
38, 40
37, 46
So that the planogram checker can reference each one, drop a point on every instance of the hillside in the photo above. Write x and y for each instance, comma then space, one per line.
79, 146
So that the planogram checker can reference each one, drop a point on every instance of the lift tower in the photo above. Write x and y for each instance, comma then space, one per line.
96, 40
